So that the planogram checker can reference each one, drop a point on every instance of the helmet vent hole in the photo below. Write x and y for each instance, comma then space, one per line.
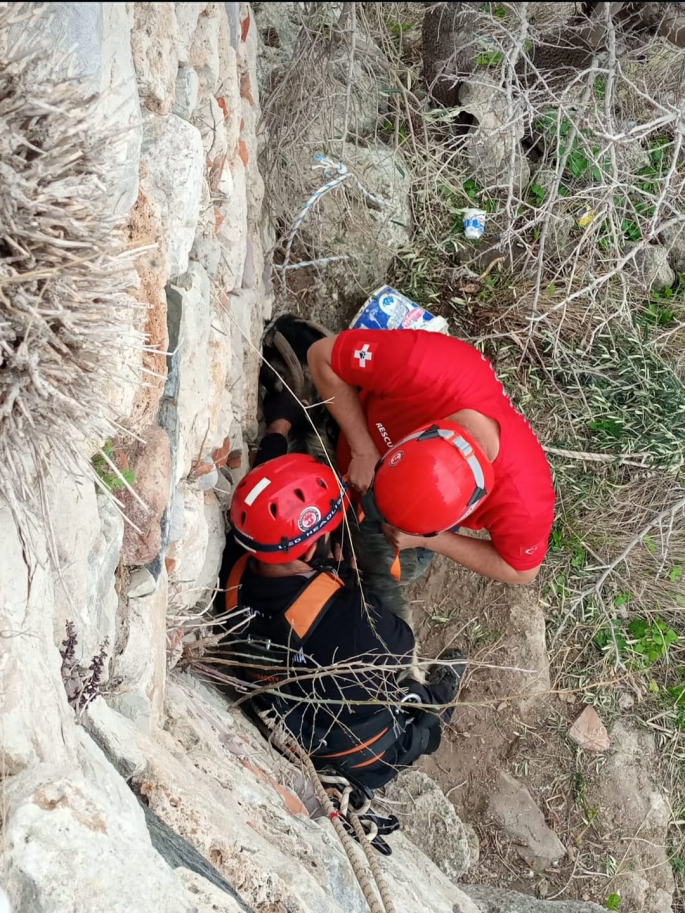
273, 509
243, 517
300, 494
322, 483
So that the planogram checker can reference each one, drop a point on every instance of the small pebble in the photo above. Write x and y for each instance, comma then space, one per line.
626, 701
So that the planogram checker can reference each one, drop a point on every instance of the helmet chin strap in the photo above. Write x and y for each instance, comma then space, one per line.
320, 557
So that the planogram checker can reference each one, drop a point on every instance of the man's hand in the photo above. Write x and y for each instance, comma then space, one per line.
401, 540
343, 403
338, 556
361, 469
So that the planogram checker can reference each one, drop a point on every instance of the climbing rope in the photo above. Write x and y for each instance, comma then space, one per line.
329, 167
286, 743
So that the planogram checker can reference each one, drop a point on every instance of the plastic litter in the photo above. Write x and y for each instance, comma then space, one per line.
388, 309
474, 224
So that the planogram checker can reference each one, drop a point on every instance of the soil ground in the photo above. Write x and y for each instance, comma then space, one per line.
517, 722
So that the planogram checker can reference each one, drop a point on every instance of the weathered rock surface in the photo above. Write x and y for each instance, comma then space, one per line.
345, 225
525, 639
77, 837
429, 820
496, 900
195, 557
674, 242
150, 462
204, 51
514, 809
204, 340
187, 92
84, 523
495, 137
187, 15
154, 43
205, 897
448, 52
653, 267
173, 154
35, 718
636, 816
139, 664
109, 858
589, 731
147, 230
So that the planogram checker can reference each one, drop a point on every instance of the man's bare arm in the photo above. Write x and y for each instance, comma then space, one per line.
343, 403
477, 555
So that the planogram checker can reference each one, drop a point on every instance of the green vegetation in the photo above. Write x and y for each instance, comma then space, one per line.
111, 479
641, 642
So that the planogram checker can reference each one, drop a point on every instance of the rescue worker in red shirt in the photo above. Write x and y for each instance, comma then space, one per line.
332, 656
476, 463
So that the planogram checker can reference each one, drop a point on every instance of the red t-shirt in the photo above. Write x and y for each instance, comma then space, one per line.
410, 377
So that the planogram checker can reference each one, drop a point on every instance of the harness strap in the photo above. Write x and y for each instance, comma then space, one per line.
362, 754
306, 610
234, 579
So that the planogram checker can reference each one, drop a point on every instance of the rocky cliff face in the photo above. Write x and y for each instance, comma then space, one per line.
154, 796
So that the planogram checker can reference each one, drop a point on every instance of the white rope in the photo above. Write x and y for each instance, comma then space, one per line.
329, 167
286, 742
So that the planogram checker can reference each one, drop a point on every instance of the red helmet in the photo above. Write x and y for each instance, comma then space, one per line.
432, 480
283, 506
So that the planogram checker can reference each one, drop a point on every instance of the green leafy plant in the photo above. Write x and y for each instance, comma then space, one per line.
604, 639
609, 426
613, 902
489, 58
678, 866
651, 639
631, 230
397, 28
641, 641
474, 192
579, 160
538, 193
654, 316
105, 472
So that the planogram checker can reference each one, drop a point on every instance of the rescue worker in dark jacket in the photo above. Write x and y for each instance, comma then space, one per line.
320, 648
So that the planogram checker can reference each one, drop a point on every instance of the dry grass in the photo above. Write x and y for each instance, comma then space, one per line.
65, 315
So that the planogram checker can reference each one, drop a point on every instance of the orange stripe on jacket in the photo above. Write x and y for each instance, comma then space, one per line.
306, 609
234, 578
367, 744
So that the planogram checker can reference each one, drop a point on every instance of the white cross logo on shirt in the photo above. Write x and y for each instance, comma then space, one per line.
363, 355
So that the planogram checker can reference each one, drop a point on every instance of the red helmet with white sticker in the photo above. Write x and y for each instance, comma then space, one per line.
432, 480
283, 506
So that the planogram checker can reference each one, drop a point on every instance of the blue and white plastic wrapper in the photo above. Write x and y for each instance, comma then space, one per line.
474, 224
388, 309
